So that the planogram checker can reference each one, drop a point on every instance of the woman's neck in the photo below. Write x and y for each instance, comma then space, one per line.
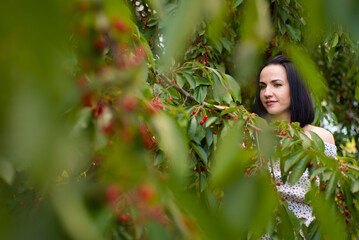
281, 117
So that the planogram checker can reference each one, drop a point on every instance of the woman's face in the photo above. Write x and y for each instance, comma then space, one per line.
275, 92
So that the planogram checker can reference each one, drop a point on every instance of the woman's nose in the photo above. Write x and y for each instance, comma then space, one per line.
268, 92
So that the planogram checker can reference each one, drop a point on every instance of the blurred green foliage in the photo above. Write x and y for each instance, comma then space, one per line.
131, 119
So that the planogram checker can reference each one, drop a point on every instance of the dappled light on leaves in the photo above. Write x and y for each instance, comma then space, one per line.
132, 119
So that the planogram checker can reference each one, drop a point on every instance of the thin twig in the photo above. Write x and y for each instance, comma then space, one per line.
351, 167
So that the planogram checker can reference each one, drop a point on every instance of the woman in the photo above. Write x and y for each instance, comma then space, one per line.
282, 95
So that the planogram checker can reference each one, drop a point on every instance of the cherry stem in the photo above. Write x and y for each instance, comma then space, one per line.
351, 167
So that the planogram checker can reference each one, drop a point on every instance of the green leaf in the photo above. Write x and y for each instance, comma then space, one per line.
157, 231
152, 22
210, 121
200, 93
298, 170
220, 93
292, 159
203, 184
7, 171
218, 46
200, 152
306, 140
309, 70
190, 80
192, 128
283, 14
179, 26
201, 81
147, 49
355, 186
331, 186
285, 228
180, 80
330, 221
357, 93
286, 142
226, 44
229, 160
234, 88
209, 136
294, 32
316, 172
229, 110
236, 3
200, 66
335, 40
331, 55
173, 142
282, 28
317, 142
200, 134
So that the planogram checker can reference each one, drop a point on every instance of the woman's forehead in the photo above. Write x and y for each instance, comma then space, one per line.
273, 72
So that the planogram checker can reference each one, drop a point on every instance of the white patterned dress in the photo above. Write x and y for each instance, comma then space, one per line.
295, 194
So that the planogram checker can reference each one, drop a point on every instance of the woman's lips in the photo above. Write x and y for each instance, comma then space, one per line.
269, 103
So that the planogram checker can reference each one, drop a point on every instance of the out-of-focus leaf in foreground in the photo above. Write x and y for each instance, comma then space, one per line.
256, 31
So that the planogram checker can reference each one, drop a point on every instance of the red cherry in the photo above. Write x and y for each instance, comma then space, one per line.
112, 192
194, 112
125, 218
119, 25
311, 164
147, 192
99, 110
226, 117
256, 129
346, 213
214, 111
171, 99
278, 183
205, 118
110, 128
87, 99
215, 132
129, 103
346, 221
283, 133
201, 122
146, 136
246, 130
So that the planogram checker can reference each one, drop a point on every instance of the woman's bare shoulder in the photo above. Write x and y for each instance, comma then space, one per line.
324, 134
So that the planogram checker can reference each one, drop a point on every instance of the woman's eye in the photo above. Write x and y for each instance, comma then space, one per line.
262, 86
277, 85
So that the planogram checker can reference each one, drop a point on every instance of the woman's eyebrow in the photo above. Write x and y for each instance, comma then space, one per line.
277, 80
274, 80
